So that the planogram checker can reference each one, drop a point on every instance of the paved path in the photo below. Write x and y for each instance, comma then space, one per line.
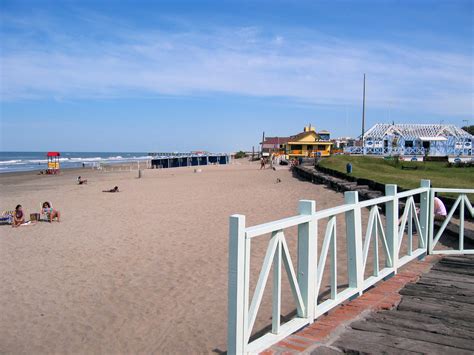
435, 315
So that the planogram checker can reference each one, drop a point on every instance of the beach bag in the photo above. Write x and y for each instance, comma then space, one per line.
35, 216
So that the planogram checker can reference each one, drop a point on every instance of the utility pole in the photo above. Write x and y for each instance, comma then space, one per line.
363, 114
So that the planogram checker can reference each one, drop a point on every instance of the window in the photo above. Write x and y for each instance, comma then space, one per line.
408, 144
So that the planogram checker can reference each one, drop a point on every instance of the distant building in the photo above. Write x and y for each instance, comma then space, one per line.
177, 160
274, 144
342, 142
415, 139
308, 143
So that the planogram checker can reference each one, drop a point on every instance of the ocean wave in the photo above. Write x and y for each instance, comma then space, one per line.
37, 162
85, 159
12, 162
146, 157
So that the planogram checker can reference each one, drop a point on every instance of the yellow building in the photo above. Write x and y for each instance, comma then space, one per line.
308, 144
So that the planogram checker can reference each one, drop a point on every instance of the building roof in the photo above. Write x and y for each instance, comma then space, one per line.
276, 140
53, 154
414, 131
301, 135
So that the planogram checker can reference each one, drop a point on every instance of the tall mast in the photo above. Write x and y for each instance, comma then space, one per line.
363, 112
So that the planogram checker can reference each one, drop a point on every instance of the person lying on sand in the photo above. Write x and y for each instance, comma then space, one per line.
115, 189
81, 181
50, 212
18, 217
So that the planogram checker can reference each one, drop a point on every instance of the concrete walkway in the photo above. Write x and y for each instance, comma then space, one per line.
434, 315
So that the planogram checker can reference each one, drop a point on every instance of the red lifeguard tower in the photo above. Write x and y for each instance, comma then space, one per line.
53, 163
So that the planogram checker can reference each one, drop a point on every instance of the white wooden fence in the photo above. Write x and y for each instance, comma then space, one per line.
305, 281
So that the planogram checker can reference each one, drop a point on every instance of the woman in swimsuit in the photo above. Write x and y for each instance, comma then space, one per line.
18, 217
50, 212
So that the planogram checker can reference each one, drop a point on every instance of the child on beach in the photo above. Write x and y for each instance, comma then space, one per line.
18, 217
115, 189
81, 181
50, 212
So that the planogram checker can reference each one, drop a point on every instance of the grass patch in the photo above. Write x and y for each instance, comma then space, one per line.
391, 172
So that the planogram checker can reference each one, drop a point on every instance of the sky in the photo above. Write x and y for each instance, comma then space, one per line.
145, 76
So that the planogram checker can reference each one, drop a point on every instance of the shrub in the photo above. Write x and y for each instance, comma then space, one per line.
240, 155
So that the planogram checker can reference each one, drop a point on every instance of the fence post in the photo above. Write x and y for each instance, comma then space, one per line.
431, 222
391, 215
236, 326
354, 241
307, 258
424, 212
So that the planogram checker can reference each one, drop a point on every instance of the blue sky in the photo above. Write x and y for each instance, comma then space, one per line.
189, 75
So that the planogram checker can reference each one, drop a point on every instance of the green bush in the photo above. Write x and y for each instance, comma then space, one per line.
240, 155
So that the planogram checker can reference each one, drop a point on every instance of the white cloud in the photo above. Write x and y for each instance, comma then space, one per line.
310, 68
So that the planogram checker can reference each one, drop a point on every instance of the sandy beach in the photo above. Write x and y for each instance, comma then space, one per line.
143, 270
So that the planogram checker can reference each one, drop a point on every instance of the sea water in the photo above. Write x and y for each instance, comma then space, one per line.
28, 161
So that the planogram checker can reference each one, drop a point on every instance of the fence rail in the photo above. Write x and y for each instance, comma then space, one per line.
383, 241
420, 151
462, 203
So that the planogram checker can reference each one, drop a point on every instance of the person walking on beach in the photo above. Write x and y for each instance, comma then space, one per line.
262, 163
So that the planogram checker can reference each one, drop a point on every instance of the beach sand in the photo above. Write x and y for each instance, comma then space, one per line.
143, 270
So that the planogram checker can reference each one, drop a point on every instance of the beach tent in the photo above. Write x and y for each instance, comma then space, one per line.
183, 161
174, 162
194, 161
53, 162
223, 159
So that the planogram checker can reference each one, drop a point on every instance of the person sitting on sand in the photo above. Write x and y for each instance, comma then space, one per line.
81, 181
50, 212
115, 189
18, 217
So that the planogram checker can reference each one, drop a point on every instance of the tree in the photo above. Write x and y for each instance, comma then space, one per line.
240, 155
469, 129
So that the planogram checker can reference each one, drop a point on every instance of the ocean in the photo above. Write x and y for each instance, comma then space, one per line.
29, 161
